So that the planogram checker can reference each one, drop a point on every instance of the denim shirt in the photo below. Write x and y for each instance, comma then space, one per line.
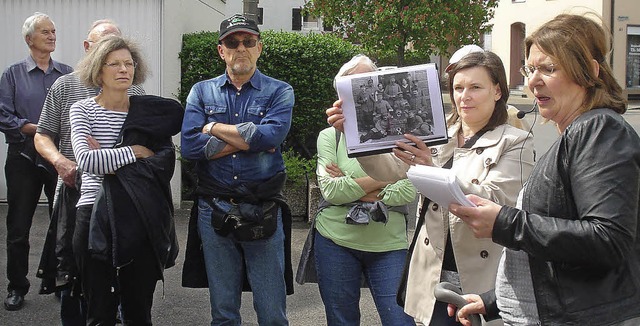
23, 88
261, 111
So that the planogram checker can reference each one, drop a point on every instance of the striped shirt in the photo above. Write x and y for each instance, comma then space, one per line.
54, 119
88, 118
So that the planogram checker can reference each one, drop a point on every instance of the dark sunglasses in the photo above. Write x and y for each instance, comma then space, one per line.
232, 43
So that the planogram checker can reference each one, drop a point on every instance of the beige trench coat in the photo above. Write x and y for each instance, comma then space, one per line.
495, 167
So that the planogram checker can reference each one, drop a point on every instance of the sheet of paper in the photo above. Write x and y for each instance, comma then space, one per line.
379, 111
438, 184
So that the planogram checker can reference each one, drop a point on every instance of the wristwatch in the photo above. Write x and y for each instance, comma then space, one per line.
209, 129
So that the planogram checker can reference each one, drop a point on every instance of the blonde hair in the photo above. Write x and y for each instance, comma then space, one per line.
89, 69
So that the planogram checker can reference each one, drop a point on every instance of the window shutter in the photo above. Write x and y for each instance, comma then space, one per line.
296, 19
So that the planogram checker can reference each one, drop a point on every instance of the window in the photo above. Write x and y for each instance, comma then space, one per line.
310, 22
296, 19
632, 79
306, 22
260, 15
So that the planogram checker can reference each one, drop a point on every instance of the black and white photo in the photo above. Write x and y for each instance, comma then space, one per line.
382, 106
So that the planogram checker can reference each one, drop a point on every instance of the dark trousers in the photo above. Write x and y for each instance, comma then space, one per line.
104, 286
25, 182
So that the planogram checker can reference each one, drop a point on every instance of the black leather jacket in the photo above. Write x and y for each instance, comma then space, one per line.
579, 224
135, 203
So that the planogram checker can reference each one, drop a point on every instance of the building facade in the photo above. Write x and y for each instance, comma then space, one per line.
514, 19
280, 15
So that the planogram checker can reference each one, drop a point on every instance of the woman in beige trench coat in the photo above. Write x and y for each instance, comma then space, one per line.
495, 166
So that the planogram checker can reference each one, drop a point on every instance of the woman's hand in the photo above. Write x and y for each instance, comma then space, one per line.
480, 218
412, 155
93, 143
371, 197
474, 306
141, 152
333, 170
335, 116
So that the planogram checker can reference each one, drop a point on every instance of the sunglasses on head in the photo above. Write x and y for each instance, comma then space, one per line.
232, 43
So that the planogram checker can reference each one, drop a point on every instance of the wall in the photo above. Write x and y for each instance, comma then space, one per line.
277, 14
156, 24
532, 13
625, 13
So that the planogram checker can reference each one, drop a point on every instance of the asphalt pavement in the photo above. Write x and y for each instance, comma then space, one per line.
173, 304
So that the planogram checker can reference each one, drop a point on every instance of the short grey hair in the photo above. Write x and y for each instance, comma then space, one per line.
90, 67
30, 23
102, 22
351, 65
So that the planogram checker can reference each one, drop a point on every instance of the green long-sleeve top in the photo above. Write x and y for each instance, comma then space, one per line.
331, 223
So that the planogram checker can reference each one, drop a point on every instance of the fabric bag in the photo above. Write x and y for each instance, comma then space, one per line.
247, 222
307, 266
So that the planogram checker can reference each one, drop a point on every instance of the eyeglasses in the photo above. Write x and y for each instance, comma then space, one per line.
232, 43
129, 65
547, 70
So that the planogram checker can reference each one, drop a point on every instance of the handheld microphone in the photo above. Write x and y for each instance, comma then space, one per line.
521, 114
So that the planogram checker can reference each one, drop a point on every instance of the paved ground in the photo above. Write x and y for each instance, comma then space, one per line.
173, 304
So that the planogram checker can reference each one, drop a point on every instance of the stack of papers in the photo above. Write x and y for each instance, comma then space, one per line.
438, 184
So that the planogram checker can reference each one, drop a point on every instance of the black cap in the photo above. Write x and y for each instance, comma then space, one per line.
238, 23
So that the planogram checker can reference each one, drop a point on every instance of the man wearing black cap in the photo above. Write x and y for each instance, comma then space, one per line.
233, 126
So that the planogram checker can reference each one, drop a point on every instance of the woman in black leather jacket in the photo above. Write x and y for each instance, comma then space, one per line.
572, 252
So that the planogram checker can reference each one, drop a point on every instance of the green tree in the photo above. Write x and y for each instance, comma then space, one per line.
384, 26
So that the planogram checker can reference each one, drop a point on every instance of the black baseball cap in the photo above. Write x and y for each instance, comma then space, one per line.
238, 23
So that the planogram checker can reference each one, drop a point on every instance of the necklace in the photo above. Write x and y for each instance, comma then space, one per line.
465, 139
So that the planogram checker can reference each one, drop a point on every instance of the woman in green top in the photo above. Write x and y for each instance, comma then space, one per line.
361, 229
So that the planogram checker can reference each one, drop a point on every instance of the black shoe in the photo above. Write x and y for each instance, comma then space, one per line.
14, 301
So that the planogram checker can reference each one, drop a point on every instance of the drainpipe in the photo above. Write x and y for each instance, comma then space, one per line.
611, 26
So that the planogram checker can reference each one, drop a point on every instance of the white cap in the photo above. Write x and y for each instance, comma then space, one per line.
463, 51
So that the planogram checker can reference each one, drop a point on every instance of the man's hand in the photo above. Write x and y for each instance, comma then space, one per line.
66, 170
49, 151
480, 218
29, 129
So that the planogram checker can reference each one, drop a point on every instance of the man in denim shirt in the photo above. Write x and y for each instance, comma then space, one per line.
233, 126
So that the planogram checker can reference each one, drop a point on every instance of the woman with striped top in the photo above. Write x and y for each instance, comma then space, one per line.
116, 239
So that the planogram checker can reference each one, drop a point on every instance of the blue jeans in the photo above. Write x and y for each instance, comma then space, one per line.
226, 260
339, 278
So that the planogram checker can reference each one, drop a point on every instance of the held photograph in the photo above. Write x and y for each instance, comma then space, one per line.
380, 107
